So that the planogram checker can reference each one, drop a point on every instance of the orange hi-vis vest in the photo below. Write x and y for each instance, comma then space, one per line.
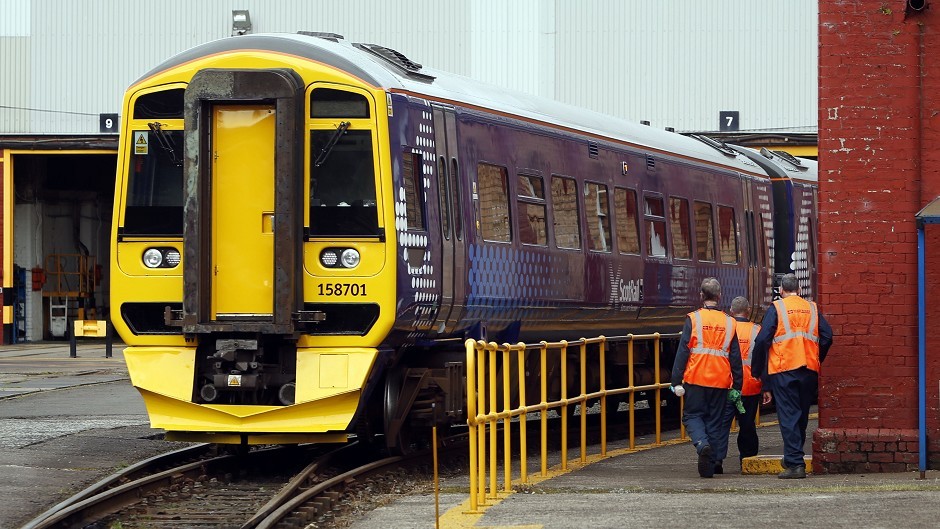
747, 335
796, 342
709, 346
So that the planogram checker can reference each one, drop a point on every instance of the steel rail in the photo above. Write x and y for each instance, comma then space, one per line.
112, 500
143, 467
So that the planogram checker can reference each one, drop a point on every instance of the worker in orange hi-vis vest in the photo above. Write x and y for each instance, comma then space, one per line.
707, 366
792, 343
751, 395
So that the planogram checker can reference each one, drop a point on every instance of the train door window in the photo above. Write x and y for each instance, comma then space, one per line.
655, 226
565, 209
727, 236
679, 226
455, 199
443, 191
531, 209
411, 177
628, 232
596, 208
704, 231
494, 202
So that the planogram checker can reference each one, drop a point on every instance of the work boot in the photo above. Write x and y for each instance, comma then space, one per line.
793, 473
706, 467
719, 469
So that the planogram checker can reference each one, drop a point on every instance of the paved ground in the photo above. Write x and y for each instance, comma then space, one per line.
65, 423
660, 487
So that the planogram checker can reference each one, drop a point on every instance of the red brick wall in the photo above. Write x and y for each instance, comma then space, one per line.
879, 123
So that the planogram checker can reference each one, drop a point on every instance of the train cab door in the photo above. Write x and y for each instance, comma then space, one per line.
453, 251
242, 200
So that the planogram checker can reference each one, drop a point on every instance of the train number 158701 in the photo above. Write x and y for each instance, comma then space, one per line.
342, 289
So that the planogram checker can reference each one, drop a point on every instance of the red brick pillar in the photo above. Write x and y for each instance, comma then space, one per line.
879, 127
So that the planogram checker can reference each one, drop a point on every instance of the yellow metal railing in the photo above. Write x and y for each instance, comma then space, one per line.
486, 361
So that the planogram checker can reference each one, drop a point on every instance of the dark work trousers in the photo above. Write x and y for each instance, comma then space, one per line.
794, 392
702, 416
747, 430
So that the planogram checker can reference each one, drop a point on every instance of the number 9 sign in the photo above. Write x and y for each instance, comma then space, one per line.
108, 123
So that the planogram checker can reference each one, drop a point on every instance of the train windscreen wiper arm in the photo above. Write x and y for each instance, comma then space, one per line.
325, 152
164, 140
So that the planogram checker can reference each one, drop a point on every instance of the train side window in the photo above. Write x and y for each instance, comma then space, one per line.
655, 226
494, 202
565, 209
727, 236
330, 103
679, 227
443, 191
704, 231
411, 177
598, 216
531, 208
455, 199
628, 231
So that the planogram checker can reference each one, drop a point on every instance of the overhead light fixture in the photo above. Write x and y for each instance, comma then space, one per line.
241, 22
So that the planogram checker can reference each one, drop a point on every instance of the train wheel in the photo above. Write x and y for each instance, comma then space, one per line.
402, 404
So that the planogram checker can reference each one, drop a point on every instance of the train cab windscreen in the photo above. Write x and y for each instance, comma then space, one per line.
155, 184
342, 186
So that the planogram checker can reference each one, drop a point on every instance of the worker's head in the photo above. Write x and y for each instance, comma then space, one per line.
711, 289
789, 284
740, 307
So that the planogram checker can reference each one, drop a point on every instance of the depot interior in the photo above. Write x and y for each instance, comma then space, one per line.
61, 231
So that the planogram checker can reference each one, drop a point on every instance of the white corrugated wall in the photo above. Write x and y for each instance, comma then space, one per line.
675, 63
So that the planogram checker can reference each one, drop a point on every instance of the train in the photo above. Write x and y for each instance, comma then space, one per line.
306, 231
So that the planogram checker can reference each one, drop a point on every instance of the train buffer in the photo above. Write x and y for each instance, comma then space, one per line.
89, 329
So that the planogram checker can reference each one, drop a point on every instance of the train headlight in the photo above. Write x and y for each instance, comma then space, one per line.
153, 258
350, 258
161, 258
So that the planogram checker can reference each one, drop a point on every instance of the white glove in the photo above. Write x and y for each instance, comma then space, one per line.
678, 390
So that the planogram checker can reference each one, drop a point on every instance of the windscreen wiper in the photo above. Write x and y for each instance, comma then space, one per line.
165, 142
325, 152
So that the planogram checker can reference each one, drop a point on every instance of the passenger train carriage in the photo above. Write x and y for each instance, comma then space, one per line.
307, 230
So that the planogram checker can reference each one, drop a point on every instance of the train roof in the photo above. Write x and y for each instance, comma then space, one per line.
389, 70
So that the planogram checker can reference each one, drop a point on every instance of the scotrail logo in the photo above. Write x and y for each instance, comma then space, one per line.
631, 291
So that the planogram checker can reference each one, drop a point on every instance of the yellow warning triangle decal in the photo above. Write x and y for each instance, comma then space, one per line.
234, 381
142, 140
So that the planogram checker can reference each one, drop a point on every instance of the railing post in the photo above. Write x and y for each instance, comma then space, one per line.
583, 361
523, 464
603, 370
472, 419
492, 410
481, 410
543, 361
564, 406
630, 411
656, 379
507, 429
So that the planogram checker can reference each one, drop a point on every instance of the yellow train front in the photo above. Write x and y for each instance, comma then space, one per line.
247, 322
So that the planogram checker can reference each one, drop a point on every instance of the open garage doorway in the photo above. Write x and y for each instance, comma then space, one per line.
61, 240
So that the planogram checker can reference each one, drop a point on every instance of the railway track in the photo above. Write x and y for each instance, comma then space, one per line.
196, 488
